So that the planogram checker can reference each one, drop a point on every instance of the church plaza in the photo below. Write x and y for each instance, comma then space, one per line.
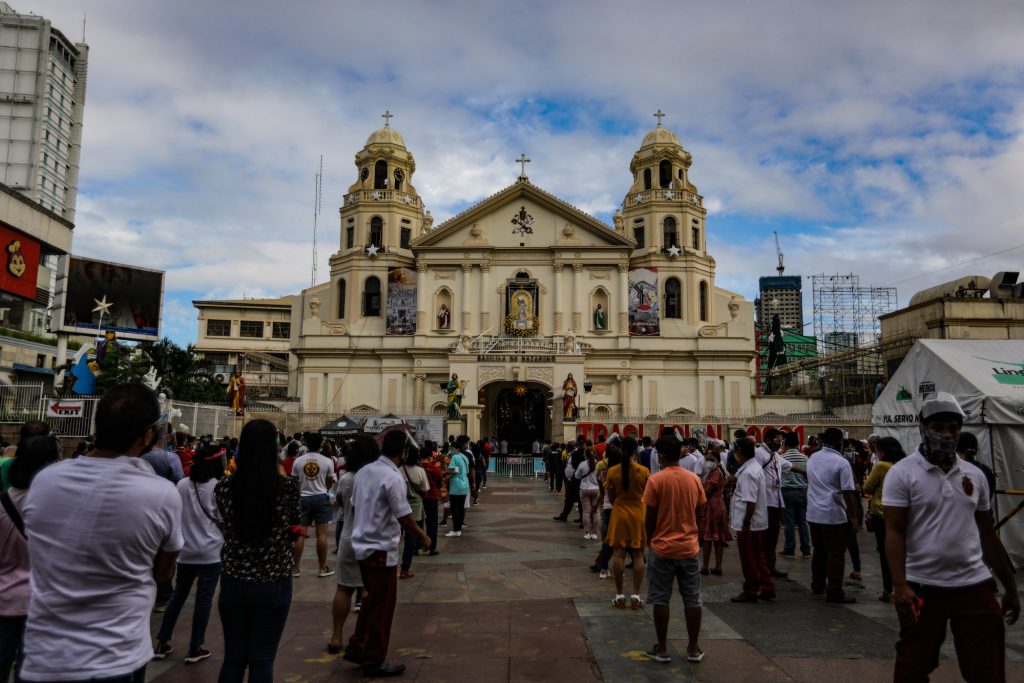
512, 599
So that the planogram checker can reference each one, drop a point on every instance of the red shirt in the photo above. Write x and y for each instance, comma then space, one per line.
434, 477
287, 464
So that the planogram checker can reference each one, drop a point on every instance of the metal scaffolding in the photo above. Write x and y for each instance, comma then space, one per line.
845, 313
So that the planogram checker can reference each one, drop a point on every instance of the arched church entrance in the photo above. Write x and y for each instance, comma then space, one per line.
517, 412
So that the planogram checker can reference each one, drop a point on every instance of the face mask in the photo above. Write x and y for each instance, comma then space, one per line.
710, 466
939, 449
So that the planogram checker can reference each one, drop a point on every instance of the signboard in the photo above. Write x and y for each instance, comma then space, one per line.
134, 295
20, 264
644, 305
592, 430
60, 407
401, 301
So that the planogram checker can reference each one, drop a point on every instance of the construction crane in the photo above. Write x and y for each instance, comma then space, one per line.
778, 251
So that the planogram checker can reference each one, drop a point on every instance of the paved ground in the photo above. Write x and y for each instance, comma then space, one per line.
513, 600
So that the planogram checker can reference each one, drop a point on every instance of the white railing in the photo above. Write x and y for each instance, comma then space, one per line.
664, 195
382, 196
516, 466
527, 345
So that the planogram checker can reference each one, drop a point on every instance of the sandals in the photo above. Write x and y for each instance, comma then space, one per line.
695, 657
619, 601
635, 601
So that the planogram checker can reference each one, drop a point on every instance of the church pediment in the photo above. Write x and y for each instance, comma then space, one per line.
523, 215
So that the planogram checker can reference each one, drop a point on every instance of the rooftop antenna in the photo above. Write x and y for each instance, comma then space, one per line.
84, 17
317, 195
778, 251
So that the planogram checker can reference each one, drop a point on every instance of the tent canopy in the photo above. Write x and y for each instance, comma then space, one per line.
343, 426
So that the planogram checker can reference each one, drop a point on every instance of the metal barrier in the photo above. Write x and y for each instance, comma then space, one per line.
20, 402
516, 466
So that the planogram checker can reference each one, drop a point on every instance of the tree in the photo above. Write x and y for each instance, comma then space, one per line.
183, 375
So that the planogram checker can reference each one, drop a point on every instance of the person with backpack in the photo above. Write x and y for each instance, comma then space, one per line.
199, 560
417, 485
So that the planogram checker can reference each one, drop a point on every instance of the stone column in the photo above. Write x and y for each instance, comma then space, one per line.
577, 293
419, 400
485, 295
467, 322
623, 304
556, 305
624, 392
422, 297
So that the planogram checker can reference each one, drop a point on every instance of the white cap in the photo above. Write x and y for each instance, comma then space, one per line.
944, 403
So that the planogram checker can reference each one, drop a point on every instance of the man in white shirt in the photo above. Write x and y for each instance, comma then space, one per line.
830, 505
694, 459
774, 466
750, 521
102, 529
315, 473
941, 546
382, 511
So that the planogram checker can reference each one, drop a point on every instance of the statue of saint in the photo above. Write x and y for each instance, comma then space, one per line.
600, 322
444, 318
236, 392
454, 389
569, 392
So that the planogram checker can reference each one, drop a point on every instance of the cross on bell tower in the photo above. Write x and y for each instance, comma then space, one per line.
523, 161
387, 116
659, 115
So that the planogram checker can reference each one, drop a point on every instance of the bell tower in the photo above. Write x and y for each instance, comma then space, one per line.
665, 214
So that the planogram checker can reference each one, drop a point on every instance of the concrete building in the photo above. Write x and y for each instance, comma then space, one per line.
42, 100
781, 294
31, 238
515, 294
252, 335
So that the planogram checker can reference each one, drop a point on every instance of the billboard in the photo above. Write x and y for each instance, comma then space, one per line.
125, 299
20, 268
401, 301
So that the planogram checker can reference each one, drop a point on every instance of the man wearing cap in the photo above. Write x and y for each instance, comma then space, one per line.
939, 539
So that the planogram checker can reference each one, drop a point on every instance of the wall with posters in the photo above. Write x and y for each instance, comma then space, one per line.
644, 304
401, 301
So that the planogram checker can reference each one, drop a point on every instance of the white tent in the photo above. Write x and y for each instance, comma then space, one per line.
987, 378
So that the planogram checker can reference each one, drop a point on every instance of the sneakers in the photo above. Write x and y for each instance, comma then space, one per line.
453, 534
325, 573
162, 650
197, 655
604, 574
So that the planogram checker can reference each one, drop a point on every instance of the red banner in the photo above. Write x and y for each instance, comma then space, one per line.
20, 263
592, 430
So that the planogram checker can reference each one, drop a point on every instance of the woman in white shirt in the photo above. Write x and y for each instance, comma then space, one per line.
200, 558
586, 474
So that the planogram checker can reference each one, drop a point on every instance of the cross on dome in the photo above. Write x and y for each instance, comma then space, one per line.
659, 115
387, 116
523, 161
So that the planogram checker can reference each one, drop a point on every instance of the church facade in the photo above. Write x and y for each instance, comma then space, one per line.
526, 299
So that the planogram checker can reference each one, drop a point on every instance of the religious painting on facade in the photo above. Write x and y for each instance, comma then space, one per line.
401, 301
644, 308
522, 315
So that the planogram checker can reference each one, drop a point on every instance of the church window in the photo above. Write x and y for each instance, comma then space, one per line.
341, 298
696, 239
670, 236
673, 298
350, 237
703, 301
371, 297
380, 175
377, 231
399, 178
647, 178
665, 173
638, 235
406, 235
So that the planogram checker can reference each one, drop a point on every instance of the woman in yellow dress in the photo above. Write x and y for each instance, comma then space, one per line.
626, 531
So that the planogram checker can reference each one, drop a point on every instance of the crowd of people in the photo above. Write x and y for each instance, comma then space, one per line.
130, 515
669, 505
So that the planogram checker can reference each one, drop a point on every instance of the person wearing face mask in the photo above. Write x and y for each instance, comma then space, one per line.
831, 514
119, 525
939, 537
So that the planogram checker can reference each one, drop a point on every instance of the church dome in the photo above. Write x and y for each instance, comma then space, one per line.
660, 136
386, 135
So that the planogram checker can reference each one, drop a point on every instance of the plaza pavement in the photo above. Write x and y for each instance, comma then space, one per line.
513, 600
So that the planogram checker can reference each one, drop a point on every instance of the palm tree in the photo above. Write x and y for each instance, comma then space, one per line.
183, 375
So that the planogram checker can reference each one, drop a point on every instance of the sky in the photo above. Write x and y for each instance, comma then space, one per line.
884, 139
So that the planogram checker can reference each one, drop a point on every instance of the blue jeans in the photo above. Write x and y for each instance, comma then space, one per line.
794, 516
412, 544
253, 616
208, 574
11, 631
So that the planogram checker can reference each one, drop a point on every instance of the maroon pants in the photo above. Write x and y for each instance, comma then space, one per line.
978, 635
771, 536
757, 578
373, 626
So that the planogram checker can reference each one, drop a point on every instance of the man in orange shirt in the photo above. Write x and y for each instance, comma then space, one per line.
674, 497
